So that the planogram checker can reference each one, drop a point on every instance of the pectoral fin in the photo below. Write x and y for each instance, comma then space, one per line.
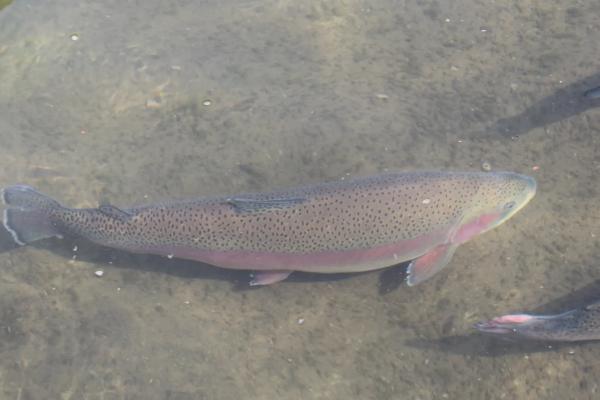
269, 277
429, 264
253, 205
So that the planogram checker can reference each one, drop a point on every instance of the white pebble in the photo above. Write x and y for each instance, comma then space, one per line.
99, 273
153, 104
300, 321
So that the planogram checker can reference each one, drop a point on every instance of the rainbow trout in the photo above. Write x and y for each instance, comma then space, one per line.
571, 326
345, 226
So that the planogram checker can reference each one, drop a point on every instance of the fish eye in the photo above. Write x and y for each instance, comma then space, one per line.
509, 205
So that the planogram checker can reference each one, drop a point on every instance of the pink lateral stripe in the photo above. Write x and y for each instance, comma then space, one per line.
322, 262
514, 319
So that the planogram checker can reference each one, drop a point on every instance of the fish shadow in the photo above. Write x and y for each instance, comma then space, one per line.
105, 257
482, 345
562, 104
6, 241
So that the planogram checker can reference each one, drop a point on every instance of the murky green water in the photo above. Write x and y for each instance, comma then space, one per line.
139, 101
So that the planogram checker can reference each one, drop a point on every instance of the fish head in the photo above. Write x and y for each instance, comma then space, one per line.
521, 326
500, 196
575, 325
508, 193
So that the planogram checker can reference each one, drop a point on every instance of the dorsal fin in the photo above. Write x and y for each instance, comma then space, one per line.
255, 205
114, 212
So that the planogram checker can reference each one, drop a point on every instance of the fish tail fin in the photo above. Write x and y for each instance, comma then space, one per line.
27, 214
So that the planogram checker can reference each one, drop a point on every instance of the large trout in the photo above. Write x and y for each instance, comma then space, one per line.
344, 226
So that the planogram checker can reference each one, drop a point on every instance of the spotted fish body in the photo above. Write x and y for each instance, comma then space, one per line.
344, 226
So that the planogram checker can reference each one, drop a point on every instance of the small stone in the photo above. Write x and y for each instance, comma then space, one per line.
75, 248
382, 96
426, 201
170, 256
207, 102
300, 321
153, 104
486, 166
99, 273
74, 37
187, 302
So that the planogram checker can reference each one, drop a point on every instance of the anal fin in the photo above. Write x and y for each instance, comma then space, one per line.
424, 267
269, 277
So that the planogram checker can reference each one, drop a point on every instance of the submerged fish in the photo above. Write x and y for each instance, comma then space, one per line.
592, 94
564, 103
344, 226
575, 325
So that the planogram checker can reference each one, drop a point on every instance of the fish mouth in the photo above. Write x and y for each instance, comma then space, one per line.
529, 190
531, 185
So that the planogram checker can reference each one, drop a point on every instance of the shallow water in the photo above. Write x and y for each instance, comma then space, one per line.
139, 101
